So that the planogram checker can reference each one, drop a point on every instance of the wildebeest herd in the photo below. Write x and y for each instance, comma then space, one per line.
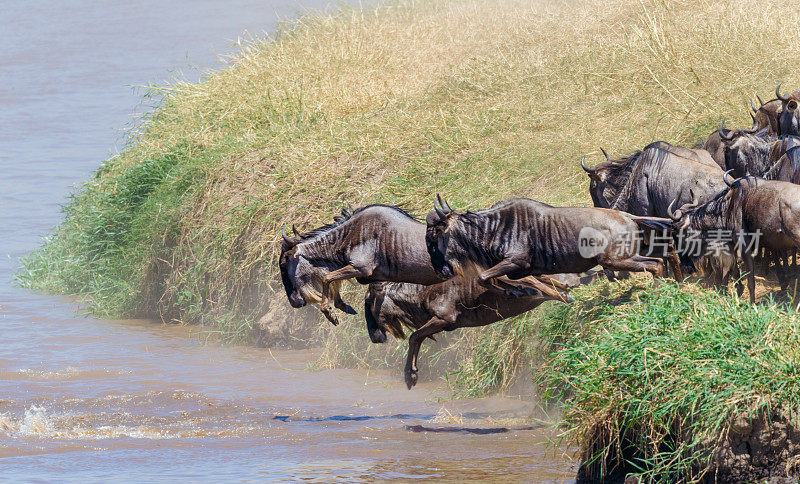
737, 197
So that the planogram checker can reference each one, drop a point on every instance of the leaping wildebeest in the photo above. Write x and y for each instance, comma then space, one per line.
370, 244
373, 243
456, 303
522, 237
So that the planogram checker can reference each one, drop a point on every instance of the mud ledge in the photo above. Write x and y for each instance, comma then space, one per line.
751, 449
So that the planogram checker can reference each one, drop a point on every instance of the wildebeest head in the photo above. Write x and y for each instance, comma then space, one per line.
297, 273
438, 236
606, 178
767, 115
722, 211
789, 117
747, 152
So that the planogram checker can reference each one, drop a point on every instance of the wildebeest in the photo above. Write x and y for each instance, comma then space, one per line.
522, 237
748, 207
373, 243
646, 182
722, 137
779, 116
456, 303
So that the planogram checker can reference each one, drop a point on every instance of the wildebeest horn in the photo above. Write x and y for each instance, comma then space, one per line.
608, 158
725, 178
446, 206
695, 200
778, 93
439, 210
754, 129
295, 231
586, 168
673, 215
443, 203
285, 237
753, 106
728, 136
759, 99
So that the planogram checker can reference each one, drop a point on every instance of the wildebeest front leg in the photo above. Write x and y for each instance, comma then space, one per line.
346, 272
433, 326
779, 269
637, 263
751, 276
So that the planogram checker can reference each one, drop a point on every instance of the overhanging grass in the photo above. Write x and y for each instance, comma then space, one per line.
658, 381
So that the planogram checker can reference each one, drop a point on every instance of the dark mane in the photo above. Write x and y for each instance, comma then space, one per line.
472, 217
346, 214
619, 179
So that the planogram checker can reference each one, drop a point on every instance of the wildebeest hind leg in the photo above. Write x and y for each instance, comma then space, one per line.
433, 326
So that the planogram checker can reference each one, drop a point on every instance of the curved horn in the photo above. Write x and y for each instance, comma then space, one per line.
443, 204
728, 136
753, 106
778, 93
439, 210
760, 100
725, 178
754, 129
608, 158
295, 231
285, 237
586, 168
673, 215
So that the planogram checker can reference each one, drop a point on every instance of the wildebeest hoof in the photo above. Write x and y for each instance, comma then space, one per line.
330, 316
516, 292
411, 378
568, 298
378, 336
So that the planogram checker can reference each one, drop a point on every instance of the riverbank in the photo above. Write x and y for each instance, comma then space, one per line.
479, 101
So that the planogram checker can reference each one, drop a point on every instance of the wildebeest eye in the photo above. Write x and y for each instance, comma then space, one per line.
792, 105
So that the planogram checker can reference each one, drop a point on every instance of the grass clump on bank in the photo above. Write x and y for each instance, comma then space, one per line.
661, 385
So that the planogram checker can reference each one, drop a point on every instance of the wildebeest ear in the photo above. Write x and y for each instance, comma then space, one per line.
432, 218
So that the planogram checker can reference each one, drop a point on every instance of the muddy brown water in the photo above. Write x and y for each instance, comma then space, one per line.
88, 400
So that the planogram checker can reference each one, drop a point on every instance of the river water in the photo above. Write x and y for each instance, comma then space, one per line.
88, 400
